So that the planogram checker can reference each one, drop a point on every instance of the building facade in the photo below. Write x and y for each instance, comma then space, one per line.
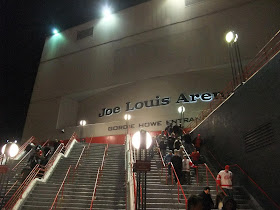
146, 61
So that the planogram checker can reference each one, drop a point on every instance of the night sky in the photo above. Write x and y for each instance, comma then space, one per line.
24, 25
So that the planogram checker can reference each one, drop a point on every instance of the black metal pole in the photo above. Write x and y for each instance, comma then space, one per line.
231, 65
240, 62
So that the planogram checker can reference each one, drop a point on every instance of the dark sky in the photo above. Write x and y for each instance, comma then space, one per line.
24, 25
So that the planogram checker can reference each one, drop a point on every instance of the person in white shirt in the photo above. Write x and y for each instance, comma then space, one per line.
224, 179
186, 170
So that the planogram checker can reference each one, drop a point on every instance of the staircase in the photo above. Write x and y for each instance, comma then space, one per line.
165, 196
160, 195
9, 179
111, 190
78, 191
240, 196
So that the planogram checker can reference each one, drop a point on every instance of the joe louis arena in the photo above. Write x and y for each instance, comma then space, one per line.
207, 67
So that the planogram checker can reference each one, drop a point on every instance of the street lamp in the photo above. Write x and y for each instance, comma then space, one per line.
9, 150
83, 124
138, 142
107, 11
55, 31
142, 140
181, 110
235, 58
127, 117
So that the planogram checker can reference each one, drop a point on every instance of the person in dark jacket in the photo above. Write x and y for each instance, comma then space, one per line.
162, 147
177, 163
207, 200
195, 203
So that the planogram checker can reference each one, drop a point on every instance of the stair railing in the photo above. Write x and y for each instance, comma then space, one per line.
73, 137
133, 174
174, 172
250, 178
99, 173
259, 188
50, 163
179, 186
164, 167
8, 191
61, 189
77, 164
207, 178
22, 147
45, 143
15, 167
262, 58
18, 194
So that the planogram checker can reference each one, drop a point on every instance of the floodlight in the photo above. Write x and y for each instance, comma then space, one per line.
13, 151
230, 37
127, 116
136, 140
55, 31
181, 109
107, 11
83, 122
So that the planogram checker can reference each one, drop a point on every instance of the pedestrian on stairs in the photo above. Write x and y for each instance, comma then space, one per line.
167, 160
195, 203
177, 163
207, 200
224, 179
186, 171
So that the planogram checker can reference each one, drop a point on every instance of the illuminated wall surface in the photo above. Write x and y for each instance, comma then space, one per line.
146, 58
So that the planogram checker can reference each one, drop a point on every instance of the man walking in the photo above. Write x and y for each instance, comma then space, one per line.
224, 179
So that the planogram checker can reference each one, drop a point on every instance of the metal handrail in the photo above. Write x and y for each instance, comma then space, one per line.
74, 136
77, 164
179, 186
262, 57
274, 203
239, 167
52, 159
61, 188
99, 171
18, 194
133, 175
45, 143
178, 182
22, 147
207, 168
9, 191
13, 169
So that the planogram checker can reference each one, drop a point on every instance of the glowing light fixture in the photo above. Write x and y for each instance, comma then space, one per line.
55, 31
83, 122
107, 11
181, 109
13, 150
231, 37
127, 116
10, 149
3, 149
136, 140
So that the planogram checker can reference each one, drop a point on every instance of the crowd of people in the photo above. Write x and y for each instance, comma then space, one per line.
38, 155
173, 143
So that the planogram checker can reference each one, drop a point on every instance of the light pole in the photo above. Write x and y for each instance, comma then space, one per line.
83, 123
181, 110
127, 117
142, 140
235, 58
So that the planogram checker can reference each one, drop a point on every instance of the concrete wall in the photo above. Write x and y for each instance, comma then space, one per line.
254, 104
154, 41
